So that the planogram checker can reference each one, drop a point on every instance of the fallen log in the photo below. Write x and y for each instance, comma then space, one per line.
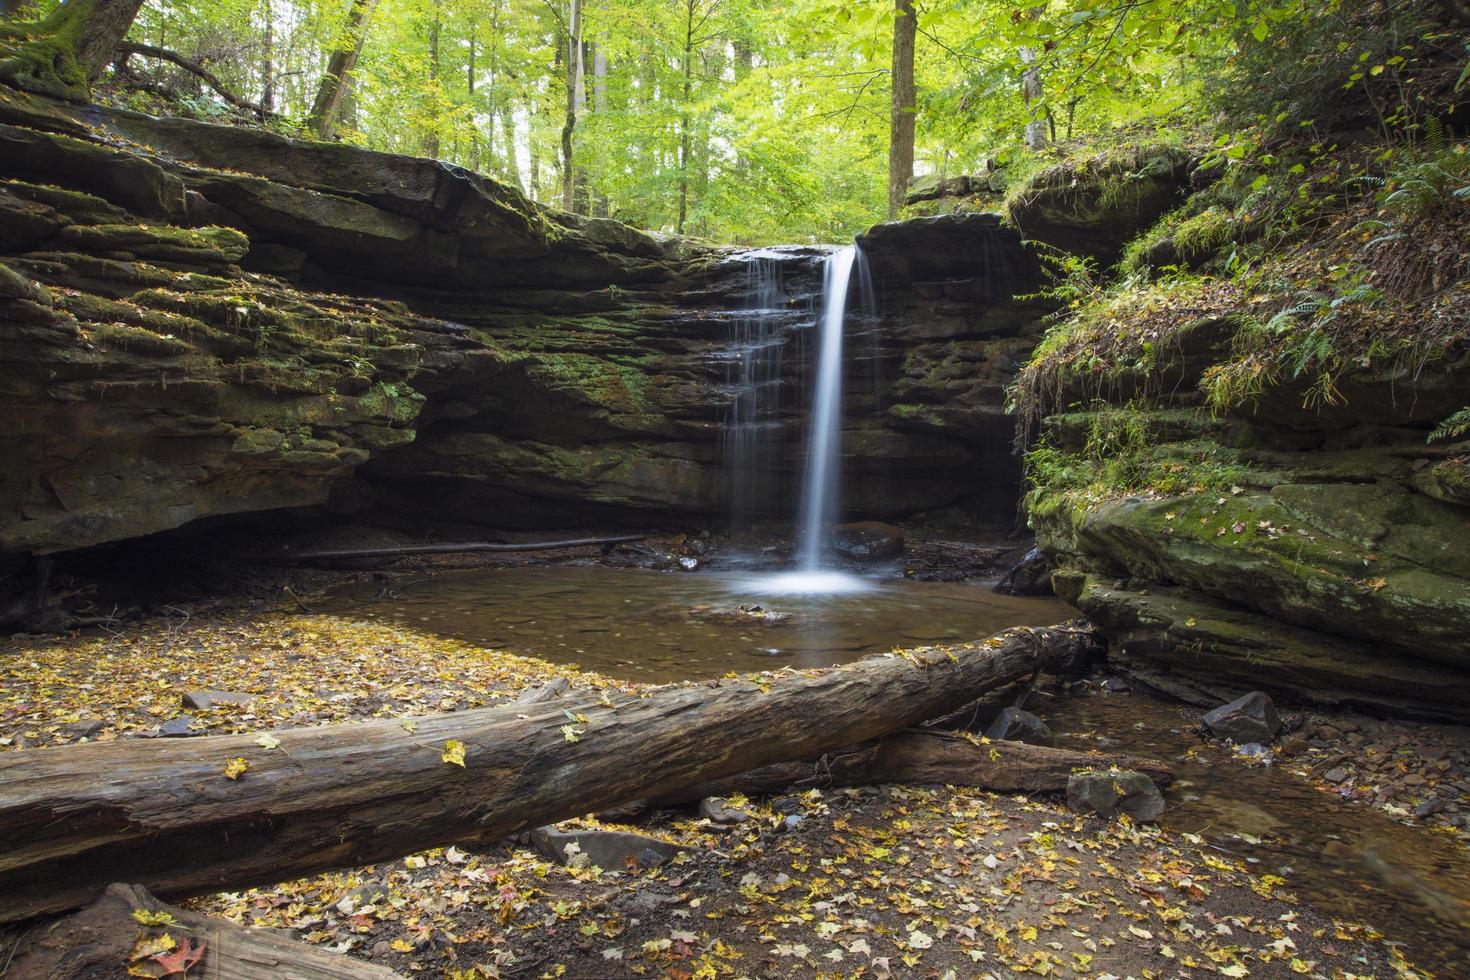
102, 941
224, 812
926, 757
409, 550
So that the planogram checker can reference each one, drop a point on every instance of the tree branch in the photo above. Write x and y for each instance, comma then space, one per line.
127, 48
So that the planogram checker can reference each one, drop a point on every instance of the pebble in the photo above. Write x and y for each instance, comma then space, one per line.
1336, 775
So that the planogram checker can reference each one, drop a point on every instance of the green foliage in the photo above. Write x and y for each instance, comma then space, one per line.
1453, 427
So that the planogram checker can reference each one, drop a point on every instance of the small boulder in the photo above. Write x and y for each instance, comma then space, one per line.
1108, 794
1251, 718
176, 728
717, 811
1016, 725
867, 541
1029, 576
203, 700
83, 728
612, 850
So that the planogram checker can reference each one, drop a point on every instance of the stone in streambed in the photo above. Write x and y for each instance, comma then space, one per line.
1108, 794
867, 540
1251, 718
612, 850
82, 728
1015, 725
1029, 576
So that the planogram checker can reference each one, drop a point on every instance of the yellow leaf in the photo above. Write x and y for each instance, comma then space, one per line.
409, 726
268, 742
146, 918
454, 752
402, 945
236, 767
570, 733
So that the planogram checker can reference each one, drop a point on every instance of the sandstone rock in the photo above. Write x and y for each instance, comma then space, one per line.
612, 850
718, 811
1249, 718
1108, 794
177, 728
1031, 575
203, 700
1016, 725
83, 728
867, 540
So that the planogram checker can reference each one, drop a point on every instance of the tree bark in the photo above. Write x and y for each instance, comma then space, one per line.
165, 815
326, 107
687, 67
574, 103
925, 757
901, 119
403, 551
431, 138
66, 51
1031, 93
98, 942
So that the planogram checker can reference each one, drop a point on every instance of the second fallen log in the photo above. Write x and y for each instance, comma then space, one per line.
230, 811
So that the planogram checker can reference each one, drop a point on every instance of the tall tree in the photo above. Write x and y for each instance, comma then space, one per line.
65, 52
576, 95
326, 108
901, 115
1031, 90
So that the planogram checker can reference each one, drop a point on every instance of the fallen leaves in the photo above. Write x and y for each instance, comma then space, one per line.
453, 753
236, 768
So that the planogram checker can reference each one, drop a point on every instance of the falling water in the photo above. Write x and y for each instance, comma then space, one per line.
819, 490
752, 421
819, 493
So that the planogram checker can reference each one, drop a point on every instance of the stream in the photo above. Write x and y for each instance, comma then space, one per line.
1350, 860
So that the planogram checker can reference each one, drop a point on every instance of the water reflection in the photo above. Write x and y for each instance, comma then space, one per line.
660, 626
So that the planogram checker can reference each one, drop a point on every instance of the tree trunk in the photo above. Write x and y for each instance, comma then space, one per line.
165, 815
1036, 123
574, 102
326, 108
925, 757
901, 118
66, 51
687, 66
431, 138
98, 941
267, 58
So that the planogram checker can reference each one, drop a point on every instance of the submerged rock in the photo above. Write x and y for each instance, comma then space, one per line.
1108, 794
1251, 718
867, 540
1015, 725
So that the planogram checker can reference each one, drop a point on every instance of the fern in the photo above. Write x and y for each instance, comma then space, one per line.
1453, 427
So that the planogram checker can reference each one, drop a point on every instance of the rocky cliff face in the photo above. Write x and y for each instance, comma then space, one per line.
199, 320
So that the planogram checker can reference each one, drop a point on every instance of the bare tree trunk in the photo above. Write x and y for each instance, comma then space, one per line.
327, 107
431, 138
199, 815
901, 118
599, 106
66, 51
575, 98
1031, 92
687, 66
267, 57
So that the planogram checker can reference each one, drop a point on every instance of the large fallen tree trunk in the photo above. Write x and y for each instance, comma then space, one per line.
168, 815
105, 940
409, 550
926, 757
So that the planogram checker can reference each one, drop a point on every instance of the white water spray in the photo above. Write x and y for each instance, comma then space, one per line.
819, 495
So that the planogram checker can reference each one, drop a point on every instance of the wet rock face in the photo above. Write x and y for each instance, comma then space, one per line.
200, 320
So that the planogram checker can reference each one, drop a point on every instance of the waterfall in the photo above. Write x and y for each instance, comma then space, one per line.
819, 493
752, 420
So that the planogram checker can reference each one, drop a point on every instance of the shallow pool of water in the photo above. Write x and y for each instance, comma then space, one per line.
672, 626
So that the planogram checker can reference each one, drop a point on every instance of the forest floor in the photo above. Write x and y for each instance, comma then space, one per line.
903, 881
